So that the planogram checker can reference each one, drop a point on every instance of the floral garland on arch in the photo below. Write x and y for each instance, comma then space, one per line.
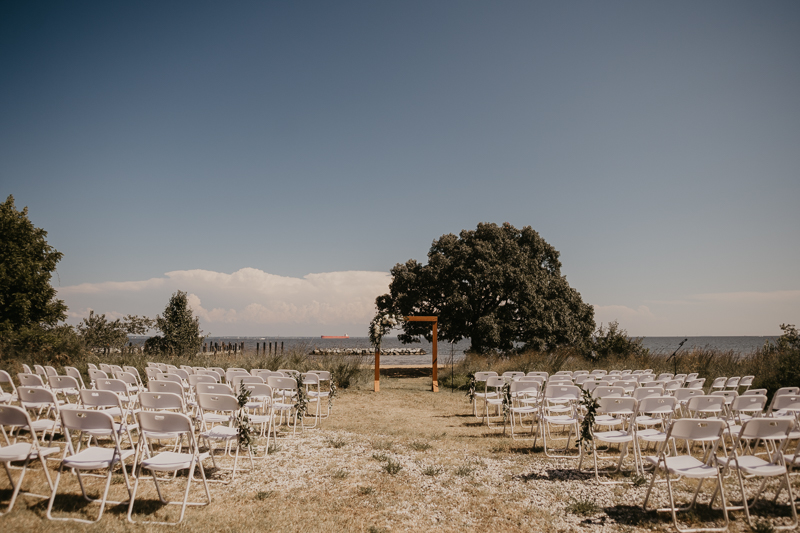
381, 325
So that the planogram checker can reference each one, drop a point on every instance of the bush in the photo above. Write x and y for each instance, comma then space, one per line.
615, 341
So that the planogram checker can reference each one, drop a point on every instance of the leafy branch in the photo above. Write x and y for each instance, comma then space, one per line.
245, 430
589, 403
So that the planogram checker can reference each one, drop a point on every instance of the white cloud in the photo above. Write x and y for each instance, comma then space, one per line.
246, 302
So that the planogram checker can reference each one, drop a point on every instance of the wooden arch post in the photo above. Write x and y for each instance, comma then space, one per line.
434, 353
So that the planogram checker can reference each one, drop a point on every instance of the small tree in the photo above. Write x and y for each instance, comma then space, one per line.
180, 329
29, 310
97, 332
615, 341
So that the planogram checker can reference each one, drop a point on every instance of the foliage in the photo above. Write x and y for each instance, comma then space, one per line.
392, 467
471, 384
497, 285
381, 325
505, 392
789, 356
589, 403
615, 341
584, 506
301, 405
29, 310
180, 329
333, 393
245, 431
97, 331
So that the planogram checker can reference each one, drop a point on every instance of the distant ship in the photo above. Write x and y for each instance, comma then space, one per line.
345, 336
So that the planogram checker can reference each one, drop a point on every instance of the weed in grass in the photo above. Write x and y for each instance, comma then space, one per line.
274, 448
584, 506
392, 467
432, 470
420, 446
339, 474
763, 526
366, 491
464, 470
380, 457
376, 529
264, 494
382, 445
336, 442
638, 480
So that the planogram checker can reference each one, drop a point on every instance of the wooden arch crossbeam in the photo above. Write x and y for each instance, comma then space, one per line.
434, 353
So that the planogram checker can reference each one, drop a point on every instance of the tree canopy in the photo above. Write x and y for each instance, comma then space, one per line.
97, 331
180, 329
27, 300
499, 286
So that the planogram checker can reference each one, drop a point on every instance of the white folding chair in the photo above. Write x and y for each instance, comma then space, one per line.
90, 458
705, 431
284, 390
323, 394
7, 397
16, 418
494, 397
44, 403
224, 405
73, 372
623, 409
559, 408
719, 383
525, 401
108, 402
155, 425
66, 385
655, 414
480, 378
775, 431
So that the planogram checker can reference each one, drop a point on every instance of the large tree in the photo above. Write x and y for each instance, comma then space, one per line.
28, 306
499, 286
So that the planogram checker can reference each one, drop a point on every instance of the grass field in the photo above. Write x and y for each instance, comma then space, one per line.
404, 459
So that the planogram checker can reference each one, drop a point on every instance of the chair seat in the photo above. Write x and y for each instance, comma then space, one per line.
685, 466
170, 461
220, 433
607, 420
23, 450
755, 466
651, 435
315, 394
215, 418
560, 419
95, 458
616, 436
45, 424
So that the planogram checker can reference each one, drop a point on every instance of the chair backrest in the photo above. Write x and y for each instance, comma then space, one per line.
63, 383
665, 376
26, 369
100, 398
208, 373
787, 391
719, 382
642, 378
194, 379
533, 379
685, 394
560, 379
87, 420
629, 385
608, 392
165, 423
217, 402
482, 376
13, 416
746, 381
153, 372
496, 382
169, 377
786, 402
590, 385
729, 395
752, 392
5, 377
238, 380
161, 386
183, 374
309, 378
161, 400
601, 372
704, 430
30, 380
237, 368
218, 370
189, 370
732, 382
171, 368
128, 378
564, 373
324, 375
691, 376
259, 390
662, 405
114, 385
282, 383
556, 390
94, 374
695, 383
530, 388
672, 385
513, 375
616, 405
648, 392
39, 370
50, 371
704, 404
91, 365
73, 372
230, 374
289, 371
774, 429
213, 388
544, 375
749, 403
106, 368
36, 397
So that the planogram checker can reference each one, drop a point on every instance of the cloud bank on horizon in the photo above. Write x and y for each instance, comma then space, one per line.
251, 302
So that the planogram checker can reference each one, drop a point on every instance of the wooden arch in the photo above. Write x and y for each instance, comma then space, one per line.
434, 353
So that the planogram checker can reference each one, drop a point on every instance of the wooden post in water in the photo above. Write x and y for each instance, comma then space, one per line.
276, 345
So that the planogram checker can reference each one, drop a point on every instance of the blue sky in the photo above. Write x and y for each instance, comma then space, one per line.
276, 159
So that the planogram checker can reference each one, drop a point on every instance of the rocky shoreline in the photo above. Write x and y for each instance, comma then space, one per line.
367, 351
